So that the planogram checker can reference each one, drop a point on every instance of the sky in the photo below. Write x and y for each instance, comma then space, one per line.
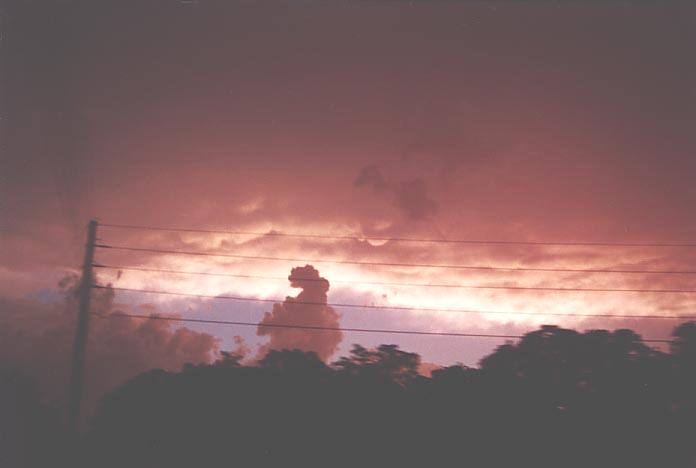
505, 121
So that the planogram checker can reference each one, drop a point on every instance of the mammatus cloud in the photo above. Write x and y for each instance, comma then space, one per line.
410, 197
308, 308
37, 338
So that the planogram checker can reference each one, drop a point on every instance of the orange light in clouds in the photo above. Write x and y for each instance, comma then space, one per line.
345, 279
528, 302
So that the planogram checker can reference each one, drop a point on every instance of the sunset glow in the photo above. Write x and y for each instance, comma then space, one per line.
544, 137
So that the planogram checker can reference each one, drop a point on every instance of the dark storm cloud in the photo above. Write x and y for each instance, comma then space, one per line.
530, 120
371, 177
410, 197
218, 101
413, 199
43, 132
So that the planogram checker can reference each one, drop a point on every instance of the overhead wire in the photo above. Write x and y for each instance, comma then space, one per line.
390, 264
382, 283
307, 327
393, 307
390, 283
324, 328
398, 239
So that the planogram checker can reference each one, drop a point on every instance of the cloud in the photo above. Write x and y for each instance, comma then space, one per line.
241, 349
298, 310
37, 338
410, 197
503, 162
371, 177
413, 200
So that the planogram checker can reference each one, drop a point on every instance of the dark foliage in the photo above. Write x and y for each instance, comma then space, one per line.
31, 434
557, 398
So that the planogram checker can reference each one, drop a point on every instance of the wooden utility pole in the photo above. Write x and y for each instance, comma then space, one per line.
78, 359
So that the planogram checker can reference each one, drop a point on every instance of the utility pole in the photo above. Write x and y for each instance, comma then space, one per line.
78, 359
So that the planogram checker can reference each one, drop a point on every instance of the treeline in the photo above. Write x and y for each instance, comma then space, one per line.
556, 398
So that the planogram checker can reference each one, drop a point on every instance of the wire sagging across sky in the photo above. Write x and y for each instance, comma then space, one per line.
401, 239
378, 263
308, 327
388, 283
322, 328
392, 264
403, 308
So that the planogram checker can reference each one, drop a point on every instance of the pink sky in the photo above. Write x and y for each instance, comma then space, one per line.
458, 120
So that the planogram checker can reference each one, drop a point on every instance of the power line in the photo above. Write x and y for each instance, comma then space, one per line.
322, 328
400, 239
386, 307
308, 327
392, 264
389, 283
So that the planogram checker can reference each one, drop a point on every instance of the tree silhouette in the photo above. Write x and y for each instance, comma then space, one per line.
31, 433
557, 397
387, 362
